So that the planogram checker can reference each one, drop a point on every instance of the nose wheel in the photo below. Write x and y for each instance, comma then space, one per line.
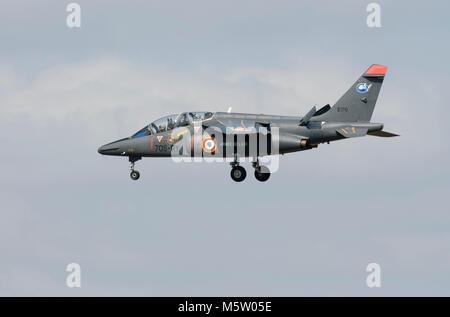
134, 174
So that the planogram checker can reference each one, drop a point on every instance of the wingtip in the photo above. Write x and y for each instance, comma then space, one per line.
383, 134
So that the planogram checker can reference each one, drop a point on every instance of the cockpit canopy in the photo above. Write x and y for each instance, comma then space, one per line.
173, 121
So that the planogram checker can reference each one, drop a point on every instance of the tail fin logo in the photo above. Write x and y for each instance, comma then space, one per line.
362, 88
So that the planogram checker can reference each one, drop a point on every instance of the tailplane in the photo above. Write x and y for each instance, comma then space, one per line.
383, 134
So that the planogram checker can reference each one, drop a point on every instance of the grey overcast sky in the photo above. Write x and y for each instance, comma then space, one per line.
188, 229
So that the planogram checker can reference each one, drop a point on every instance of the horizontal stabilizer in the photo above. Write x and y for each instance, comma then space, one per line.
382, 134
352, 132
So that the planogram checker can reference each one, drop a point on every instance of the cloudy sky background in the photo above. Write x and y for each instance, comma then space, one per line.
188, 229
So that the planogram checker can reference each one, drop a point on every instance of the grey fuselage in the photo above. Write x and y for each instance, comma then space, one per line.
237, 133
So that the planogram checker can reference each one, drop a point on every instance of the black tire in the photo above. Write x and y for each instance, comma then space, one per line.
238, 173
134, 175
262, 176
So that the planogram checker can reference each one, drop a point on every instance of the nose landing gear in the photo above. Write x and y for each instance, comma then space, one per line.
134, 174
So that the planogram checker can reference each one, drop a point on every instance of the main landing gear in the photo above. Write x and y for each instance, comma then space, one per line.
134, 174
238, 173
262, 173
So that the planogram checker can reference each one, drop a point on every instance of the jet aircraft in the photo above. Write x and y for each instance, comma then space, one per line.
243, 135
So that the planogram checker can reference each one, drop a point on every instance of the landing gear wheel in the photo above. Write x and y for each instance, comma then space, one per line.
263, 174
238, 173
134, 175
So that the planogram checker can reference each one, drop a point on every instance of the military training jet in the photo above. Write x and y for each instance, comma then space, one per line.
231, 136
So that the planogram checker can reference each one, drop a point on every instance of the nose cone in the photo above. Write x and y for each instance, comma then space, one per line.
106, 149
113, 148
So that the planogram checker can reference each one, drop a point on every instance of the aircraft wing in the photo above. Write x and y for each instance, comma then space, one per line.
231, 126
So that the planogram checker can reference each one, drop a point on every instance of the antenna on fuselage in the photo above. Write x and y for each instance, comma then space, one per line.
229, 109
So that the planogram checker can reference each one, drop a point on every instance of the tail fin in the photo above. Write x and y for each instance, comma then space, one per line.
357, 104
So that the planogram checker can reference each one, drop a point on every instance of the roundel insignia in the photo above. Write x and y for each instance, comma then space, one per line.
362, 88
209, 145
